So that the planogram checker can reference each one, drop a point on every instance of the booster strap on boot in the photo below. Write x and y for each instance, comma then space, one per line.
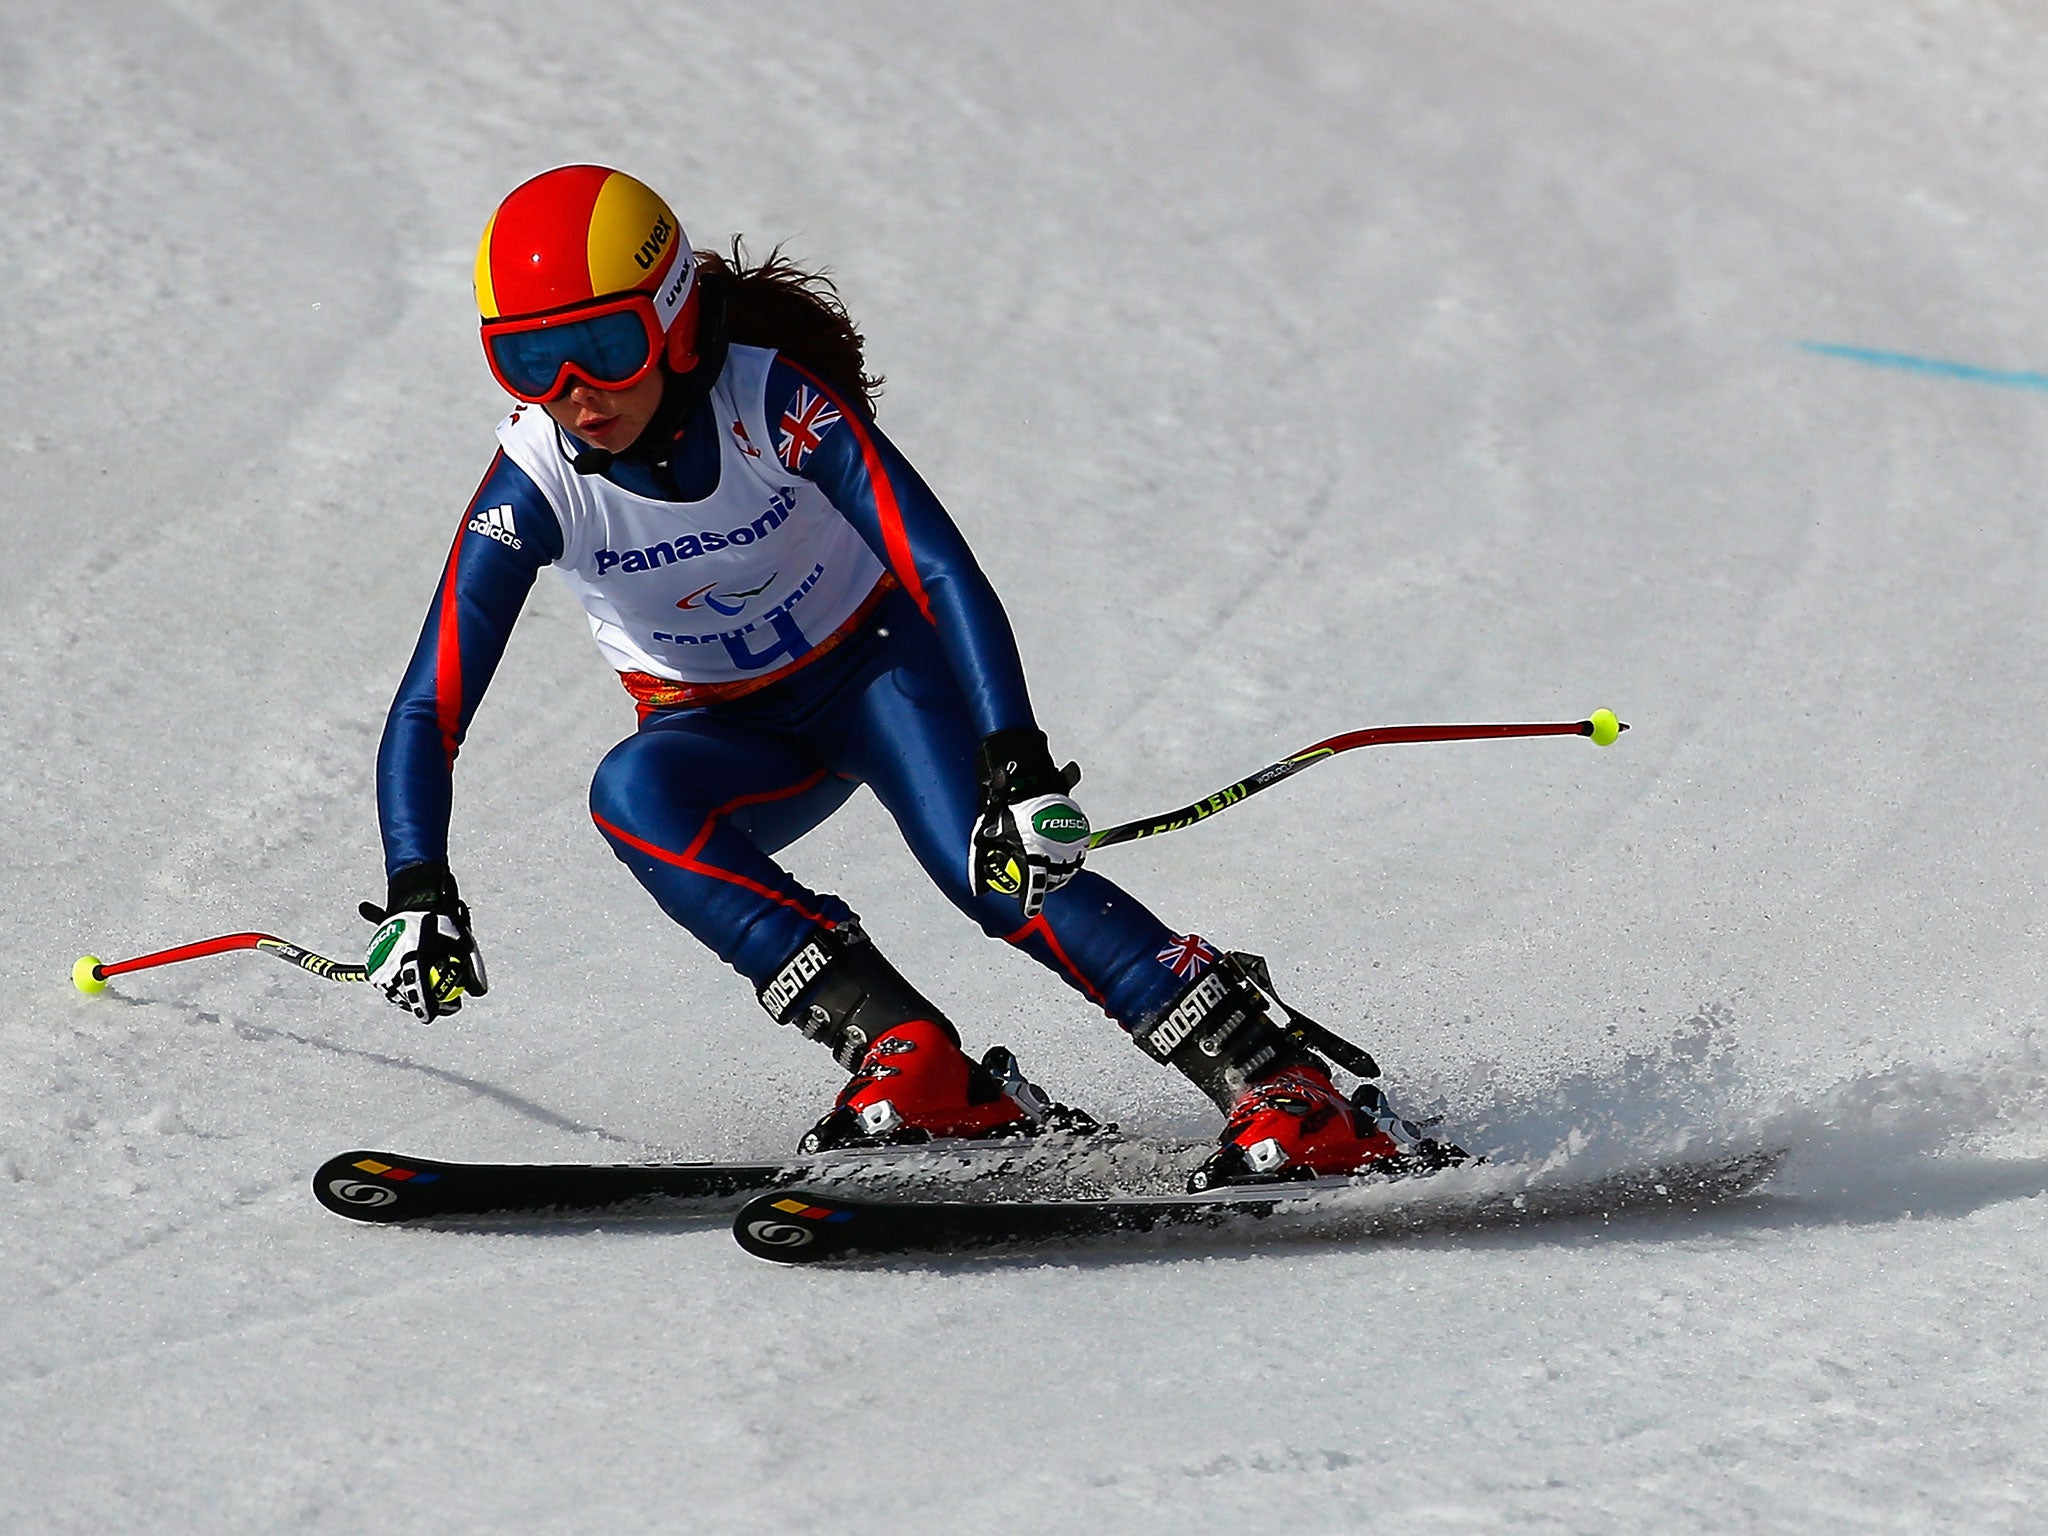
1354, 1059
838, 990
1217, 1034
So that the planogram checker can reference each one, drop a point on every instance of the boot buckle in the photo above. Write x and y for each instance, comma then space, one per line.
1266, 1156
879, 1118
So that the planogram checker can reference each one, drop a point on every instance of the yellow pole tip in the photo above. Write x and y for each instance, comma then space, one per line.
1606, 729
85, 974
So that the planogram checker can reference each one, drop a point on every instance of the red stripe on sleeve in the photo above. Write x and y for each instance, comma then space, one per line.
895, 537
448, 631
448, 656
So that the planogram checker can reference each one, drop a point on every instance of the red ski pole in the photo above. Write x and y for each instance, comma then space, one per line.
1601, 726
91, 973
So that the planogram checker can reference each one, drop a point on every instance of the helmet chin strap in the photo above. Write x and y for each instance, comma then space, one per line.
681, 393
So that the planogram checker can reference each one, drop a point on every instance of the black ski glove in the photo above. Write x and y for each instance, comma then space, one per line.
423, 956
1030, 837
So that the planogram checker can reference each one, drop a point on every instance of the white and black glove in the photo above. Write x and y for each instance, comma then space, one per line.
1031, 837
423, 956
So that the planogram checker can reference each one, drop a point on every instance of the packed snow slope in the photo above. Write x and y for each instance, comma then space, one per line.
1293, 368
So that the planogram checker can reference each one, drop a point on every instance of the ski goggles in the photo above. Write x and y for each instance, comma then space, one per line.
609, 346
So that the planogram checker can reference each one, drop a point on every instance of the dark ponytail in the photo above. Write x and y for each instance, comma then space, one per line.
778, 304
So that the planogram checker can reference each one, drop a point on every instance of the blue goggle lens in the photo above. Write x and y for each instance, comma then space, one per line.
609, 348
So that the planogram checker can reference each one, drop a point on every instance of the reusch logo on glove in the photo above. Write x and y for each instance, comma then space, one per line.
382, 941
1060, 823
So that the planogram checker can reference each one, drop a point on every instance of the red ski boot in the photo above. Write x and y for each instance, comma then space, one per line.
1284, 1117
1296, 1125
915, 1084
911, 1081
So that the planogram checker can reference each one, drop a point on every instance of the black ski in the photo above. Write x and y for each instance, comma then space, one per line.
394, 1187
802, 1225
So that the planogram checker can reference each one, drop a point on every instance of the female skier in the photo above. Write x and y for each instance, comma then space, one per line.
694, 451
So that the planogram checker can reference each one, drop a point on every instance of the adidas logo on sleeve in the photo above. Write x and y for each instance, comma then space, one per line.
496, 523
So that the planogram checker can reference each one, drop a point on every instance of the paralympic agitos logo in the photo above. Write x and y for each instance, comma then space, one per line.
731, 604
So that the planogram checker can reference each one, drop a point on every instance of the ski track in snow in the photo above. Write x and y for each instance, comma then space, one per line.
1292, 369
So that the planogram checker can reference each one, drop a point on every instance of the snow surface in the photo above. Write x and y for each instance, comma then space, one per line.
1293, 367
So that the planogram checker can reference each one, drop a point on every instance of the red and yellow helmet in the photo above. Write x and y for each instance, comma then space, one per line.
584, 274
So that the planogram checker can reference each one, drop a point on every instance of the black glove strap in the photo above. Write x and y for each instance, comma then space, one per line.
1015, 765
423, 888
418, 888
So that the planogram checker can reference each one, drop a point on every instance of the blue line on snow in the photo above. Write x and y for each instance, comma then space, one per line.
1931, 365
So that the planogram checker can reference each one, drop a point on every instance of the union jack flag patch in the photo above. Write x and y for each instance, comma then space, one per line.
804, 425
1188, 955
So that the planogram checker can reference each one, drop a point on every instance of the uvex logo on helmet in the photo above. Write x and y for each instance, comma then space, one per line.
682, 284
654, 244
